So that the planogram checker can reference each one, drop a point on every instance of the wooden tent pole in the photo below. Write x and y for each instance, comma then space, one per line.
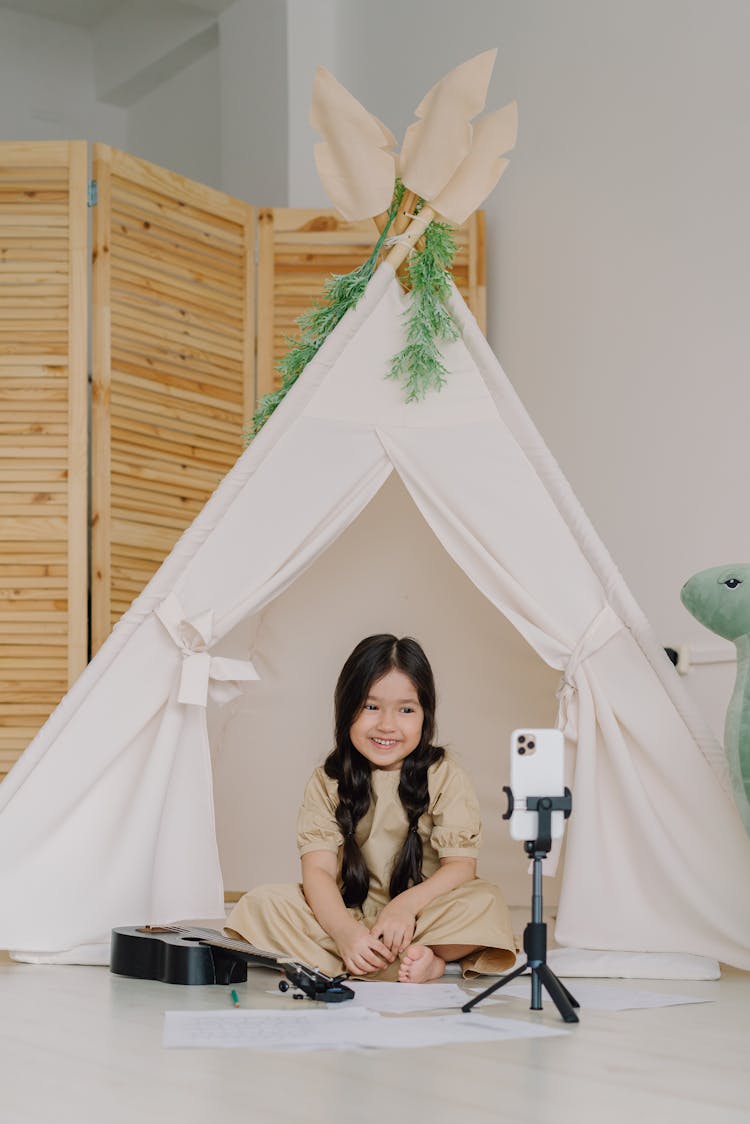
404, 215
412, 234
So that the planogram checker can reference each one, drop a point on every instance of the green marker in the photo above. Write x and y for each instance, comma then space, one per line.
235, 997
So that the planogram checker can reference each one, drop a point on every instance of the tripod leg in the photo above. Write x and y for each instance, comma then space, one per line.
493, 987
559, 995
571, 999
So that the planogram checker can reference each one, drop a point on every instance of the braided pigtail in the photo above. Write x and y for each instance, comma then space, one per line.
415, 797
353, 778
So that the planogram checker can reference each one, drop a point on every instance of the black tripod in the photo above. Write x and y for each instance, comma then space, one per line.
535, 933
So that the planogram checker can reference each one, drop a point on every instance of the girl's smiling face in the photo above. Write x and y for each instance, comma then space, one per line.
389, 726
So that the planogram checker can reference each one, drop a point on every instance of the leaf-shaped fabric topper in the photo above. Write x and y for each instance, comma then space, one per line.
435, 145
494, 134
355, 169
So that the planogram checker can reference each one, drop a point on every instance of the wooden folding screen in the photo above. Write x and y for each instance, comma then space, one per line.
43, 344
173, 365
299, 249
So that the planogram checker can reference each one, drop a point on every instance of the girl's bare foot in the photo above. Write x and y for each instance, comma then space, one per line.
420, 964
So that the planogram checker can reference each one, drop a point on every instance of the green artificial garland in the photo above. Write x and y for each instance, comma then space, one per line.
418, 366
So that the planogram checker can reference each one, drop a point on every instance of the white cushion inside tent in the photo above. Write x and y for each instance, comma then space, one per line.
386, 573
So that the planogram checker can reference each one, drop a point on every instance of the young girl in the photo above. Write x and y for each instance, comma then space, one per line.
388, 835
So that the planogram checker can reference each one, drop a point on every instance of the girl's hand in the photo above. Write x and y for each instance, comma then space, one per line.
362, 951
395, 925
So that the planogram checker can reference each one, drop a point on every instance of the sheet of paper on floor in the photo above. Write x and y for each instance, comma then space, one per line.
595, 997
399, 998
335, 1030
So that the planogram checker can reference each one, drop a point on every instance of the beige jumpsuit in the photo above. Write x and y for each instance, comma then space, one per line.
277, 917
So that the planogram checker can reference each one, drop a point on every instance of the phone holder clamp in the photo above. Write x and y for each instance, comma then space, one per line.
544, 806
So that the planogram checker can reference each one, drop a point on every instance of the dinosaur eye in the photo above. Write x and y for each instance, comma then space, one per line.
732, 583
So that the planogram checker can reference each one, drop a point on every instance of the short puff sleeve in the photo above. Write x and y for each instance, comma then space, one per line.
456, 820
317, 829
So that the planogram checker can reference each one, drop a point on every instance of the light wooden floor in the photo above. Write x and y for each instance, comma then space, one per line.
79, 1044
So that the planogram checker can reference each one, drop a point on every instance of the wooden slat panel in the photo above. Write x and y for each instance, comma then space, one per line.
299, 249
43, 433
173, 365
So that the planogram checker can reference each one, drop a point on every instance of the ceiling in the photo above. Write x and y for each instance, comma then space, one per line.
88, 13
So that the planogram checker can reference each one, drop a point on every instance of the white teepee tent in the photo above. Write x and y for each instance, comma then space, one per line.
108, 817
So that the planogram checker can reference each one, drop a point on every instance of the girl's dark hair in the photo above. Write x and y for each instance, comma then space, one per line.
373, 658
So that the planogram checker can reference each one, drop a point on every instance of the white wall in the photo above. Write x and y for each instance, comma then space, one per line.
618, 253
47, 89
312, 41
254, 101
140, 44
178, 125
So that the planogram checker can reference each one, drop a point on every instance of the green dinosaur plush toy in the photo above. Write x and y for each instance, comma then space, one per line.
720, 599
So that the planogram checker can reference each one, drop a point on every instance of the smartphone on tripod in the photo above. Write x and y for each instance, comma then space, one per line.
536, 769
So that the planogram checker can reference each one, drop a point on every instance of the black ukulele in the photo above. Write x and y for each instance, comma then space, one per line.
178, 955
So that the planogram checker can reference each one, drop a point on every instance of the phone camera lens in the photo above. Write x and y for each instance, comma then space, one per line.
521, 739
531, 745
522, 749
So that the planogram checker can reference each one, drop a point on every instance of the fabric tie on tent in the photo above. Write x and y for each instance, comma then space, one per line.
200, 670
604, 626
